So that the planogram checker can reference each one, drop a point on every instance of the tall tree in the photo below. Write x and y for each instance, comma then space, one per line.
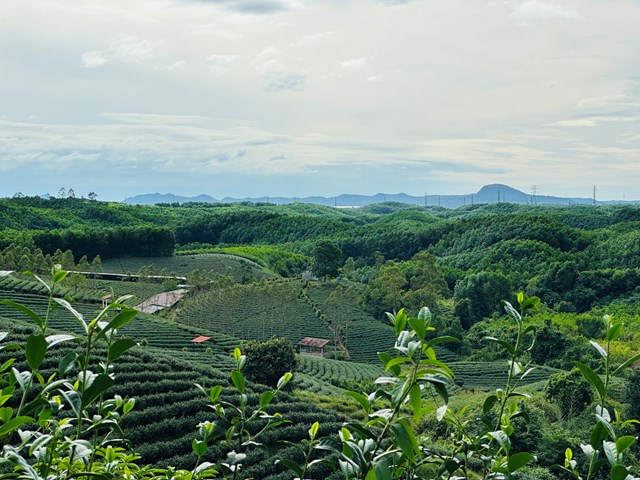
327, 258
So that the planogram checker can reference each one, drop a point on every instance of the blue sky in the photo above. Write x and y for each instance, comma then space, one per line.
294, 97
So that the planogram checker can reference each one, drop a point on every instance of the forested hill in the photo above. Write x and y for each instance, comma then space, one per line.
573, 255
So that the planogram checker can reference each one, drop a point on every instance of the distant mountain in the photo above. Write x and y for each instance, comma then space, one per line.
153, 198
488, 194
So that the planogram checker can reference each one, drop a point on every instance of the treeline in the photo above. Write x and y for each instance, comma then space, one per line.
22, 258
143, 241
109, 243
249, 227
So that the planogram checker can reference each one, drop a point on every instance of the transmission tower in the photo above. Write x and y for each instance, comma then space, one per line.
534, 194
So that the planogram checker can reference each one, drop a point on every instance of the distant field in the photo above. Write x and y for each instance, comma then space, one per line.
490, 375
338, 372
254, 312
365, 335
182, 265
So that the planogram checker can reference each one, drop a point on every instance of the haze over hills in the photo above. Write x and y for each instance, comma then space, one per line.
488, 194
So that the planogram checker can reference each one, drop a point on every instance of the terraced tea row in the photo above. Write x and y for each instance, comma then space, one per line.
168, 406
87, 290
491, 375
223, 264
152, 331
254, 312
330, 370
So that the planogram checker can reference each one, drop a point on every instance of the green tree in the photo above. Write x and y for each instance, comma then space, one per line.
485, 291
96, 264
326, 258
570, 391
270, 360
386, 290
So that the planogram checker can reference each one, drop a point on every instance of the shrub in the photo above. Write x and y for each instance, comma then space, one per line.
269, 360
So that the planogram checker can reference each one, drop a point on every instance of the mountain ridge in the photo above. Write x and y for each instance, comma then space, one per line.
493, 193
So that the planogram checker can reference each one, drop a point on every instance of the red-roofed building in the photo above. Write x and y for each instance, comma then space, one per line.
201, 339
312, 346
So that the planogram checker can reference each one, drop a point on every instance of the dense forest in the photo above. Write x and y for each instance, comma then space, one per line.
261, 273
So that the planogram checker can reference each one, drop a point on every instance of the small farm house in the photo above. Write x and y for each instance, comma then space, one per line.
201, 339
313, 346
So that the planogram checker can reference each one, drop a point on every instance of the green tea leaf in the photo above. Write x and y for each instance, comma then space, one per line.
623, 443
119, 347
214, 393
100, 384
265, 398
36, 350
238, 380
13, 424
619, 472
419, 327
489, 402
120, 320
199, 447
405, 439
361, 399
506, 345
591, 377
518, 460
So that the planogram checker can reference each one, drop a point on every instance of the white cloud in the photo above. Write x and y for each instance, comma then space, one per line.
530, 11
125, 48
315, 37
266, 62
175, 66
604, 101
154, 118
93, 59
130, 48
220, 64
215, 30
294, 82
578, 122
450, 70
354, 63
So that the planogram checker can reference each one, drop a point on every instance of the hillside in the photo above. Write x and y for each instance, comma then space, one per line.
249, 273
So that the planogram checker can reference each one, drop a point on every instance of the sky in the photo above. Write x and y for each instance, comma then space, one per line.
299, 97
